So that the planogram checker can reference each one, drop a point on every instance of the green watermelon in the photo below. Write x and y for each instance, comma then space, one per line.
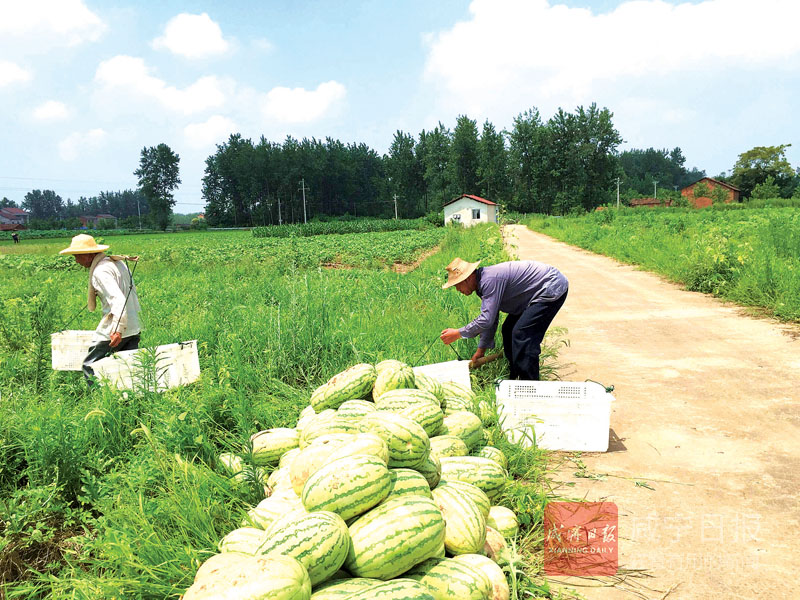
271, 444
500, 589
403, 398
355, 382
476, 494
244, 540
388, 364
448, 445
429, 384
477, 470
394, 536
397, 589
349, 486
430, 469
448, 579
408, 481
491, 452
319, 540
465, 531
355, 409
408, 443
251, 578
496, 547
341, 589
393, 379
465, 425
504, 520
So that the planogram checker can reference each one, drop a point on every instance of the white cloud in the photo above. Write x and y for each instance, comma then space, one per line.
192, 36
263, 45
67, 22
78, 143
214, 130
518, 53
12, 73
51, 110
127, 78
298, 105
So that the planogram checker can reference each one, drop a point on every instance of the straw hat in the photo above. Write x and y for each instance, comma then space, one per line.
458, 271
84, 244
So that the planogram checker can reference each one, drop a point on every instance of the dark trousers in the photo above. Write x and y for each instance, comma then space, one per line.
103, 349
523, 335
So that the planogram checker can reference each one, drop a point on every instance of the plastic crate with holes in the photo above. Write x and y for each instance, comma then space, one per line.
69, 348
173, 365
558, 415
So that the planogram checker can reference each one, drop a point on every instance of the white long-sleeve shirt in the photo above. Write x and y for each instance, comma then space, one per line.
112, 280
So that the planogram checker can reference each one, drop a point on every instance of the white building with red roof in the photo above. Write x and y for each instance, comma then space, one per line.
470, 210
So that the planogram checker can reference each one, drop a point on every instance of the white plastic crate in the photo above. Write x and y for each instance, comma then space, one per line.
69, 348
562, 415
176, 365
452, 370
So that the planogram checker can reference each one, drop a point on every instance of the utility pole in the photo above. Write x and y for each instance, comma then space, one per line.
617, 193
303, 187
395, 207
280, 221
655, 190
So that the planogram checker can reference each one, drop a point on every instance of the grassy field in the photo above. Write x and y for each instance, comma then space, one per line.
751, 257
110, 494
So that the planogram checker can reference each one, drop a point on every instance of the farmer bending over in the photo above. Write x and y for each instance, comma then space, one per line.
109, 278
530, 292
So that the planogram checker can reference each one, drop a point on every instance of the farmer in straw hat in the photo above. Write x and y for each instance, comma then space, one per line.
109, 278
530, 292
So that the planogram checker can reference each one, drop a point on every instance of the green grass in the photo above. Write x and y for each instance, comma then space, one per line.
751, 257
110, 494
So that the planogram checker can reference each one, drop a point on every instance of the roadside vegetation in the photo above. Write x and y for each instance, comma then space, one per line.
118, 494
751, 257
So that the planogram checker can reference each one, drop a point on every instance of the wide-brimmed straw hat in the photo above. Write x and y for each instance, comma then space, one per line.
84, 244
458, 271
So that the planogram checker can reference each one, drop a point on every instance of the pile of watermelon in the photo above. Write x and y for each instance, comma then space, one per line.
385, 489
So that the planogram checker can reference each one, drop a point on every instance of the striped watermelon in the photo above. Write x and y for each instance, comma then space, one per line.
273, 577
491, 452
342, 588
319, 540
271, 444
288, 457
279, 478
431, 470
429, 384
427, 414
408, 443
453, 390
269, 510
394, 536
496, 547
363, 443
241, 472
448, 445
500, 589
245, 540
349, 486
465, 425
310, 460
393, 379
354, 409
408, 481
448, 579
327, 427
217, 563
305, 416
355, 382
403, 398
389, 363
454, 404
487, 412
397, 589
309, 421
477, 470
476, 494
504, 520
465, 531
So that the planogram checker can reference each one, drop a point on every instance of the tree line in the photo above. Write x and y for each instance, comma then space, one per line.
569, 163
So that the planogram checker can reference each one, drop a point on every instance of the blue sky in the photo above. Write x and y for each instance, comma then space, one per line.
85, 85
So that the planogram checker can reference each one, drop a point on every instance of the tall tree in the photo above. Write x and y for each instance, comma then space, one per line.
404, 169
755, 165
525, 157
43, 204
6, 203
436, 163
464, 156
158, 177
493, 164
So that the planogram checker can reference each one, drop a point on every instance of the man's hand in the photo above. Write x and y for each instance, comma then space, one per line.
116, 338
450, 335
478, 354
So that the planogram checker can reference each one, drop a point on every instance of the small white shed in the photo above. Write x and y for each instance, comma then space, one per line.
470, 210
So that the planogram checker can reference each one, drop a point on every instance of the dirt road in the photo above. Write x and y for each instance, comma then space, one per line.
707, 413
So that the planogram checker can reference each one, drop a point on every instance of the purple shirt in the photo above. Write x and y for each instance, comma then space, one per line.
511, 287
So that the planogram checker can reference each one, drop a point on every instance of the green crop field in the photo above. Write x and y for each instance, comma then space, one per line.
120, 495
751, 257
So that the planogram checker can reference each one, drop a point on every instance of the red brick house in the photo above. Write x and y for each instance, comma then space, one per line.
732, 192
11, 215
